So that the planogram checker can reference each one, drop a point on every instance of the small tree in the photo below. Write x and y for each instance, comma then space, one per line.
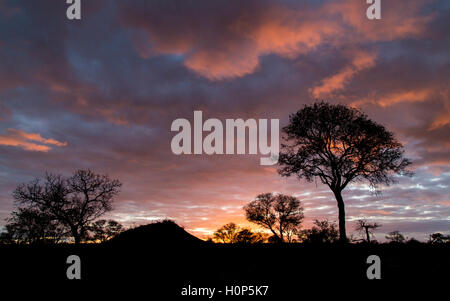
232, 233
247, 236
322, 232
395, 237
75, 201
339, 145
278, 213
102, 230
438, 238
366, 228
227, 233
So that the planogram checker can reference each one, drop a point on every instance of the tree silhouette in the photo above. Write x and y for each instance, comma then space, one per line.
322, 232
232, 233
28, 225
395, 237
75, 201
438, 238
227, 233
102, 230
340, 145
246, 236
367, 228
278, 213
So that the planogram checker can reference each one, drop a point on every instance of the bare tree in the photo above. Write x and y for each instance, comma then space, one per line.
367, 228
75, 201
339, 145
280, 213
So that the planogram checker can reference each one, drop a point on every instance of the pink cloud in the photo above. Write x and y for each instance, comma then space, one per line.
247, 35
361, 60
27, 141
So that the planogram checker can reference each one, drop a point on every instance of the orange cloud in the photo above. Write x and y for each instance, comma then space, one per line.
397, 20
443, 118
241, 40
287, 33
216, 65
404, 96
361, 61
27, 141
386, 100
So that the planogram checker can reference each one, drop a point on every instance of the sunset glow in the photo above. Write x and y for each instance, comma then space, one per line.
102, 94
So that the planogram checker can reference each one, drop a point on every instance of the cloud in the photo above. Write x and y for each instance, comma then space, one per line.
27, 141
376, 212
360, 61
227, 43
230, 42
399, 19
443, 118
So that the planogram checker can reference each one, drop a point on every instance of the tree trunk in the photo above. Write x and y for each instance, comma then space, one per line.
368, 235
76, 236
281, 236
341, 206
276, 235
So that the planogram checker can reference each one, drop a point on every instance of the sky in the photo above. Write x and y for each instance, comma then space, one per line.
102, 92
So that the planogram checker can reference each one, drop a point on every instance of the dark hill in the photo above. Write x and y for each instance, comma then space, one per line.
163, 233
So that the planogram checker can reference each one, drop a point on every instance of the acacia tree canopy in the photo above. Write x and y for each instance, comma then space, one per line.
278, 213
340, 145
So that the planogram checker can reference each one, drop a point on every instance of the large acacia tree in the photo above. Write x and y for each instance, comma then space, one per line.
74, 202
339, 145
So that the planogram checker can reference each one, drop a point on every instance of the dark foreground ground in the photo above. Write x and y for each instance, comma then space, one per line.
287, 269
